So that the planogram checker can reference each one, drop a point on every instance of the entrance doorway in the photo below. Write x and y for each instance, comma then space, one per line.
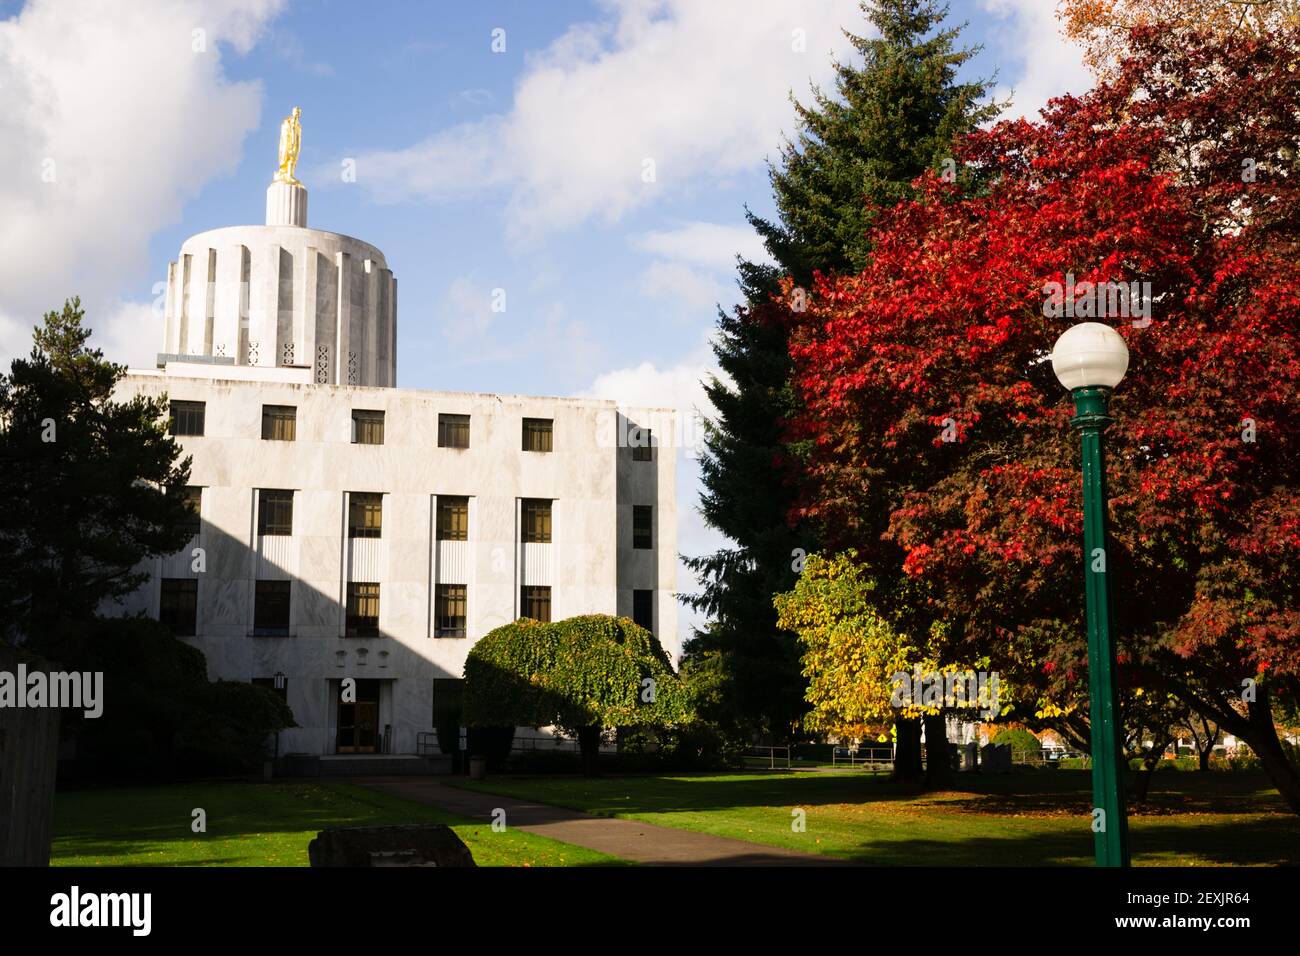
358, 726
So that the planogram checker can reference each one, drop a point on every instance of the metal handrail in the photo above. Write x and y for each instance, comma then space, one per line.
871, 761
771, 754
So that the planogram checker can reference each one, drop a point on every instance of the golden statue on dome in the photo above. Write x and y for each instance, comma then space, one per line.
290, 143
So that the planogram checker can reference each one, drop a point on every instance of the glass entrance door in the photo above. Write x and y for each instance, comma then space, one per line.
358, 726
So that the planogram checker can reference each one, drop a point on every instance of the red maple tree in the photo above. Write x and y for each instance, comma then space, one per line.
938, 439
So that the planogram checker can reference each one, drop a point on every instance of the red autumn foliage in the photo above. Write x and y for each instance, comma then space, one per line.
1181, 172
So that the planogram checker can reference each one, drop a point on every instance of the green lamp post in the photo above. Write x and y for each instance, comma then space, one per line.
1090, 359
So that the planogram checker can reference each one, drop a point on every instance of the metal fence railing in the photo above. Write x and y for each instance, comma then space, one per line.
869, 758
770, 754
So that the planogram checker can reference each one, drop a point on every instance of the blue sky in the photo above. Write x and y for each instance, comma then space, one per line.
522, 170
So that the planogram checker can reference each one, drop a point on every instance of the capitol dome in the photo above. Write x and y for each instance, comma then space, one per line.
303, 304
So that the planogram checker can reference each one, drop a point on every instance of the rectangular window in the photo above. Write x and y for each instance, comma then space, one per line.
643, 609
365, 514
279, 422
192, 496
363, 610
367, 428
274, 512
642, 444
453, 431
178, 605
271, 609
451, 610
536, 515
537, 434
187, 418
453, 518
535, 602
642, 526
279, 684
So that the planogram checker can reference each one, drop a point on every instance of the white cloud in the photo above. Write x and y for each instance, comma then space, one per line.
706, 244
530, 327
130, 333
1035, 49
288, 47
699, 88
467, 310
688, 290
646, 385
112, 102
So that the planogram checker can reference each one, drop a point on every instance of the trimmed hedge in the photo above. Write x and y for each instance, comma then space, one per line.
1018, 738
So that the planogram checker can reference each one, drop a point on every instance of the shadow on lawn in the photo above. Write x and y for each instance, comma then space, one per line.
110, 823
1047, 792
1255, 842
1022, 819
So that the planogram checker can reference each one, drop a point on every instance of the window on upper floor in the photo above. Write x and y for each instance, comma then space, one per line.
642, 444
367, 427
535, 602
535, 521
537, 434
453, 431
450, 610
453, 518
365, 514
643, 608
178, 605
192, 496
274, 512
279, 422
271, 609
642, 526
363, 609
187, 418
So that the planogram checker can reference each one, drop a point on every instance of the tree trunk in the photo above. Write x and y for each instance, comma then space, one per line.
1204, 757
1259, 733
1150, 760
907, 754
589, 746
938, 758
1263, 740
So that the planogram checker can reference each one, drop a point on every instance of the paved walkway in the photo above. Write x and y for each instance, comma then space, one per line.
627, 839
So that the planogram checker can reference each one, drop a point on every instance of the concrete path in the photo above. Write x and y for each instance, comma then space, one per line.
627, 839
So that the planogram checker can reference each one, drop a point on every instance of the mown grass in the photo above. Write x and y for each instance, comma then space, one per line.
256, 824
1029, 818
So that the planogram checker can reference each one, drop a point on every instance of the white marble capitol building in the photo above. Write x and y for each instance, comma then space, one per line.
346, 528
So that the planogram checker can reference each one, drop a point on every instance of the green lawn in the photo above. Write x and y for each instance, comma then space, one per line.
254, 824
1027, 818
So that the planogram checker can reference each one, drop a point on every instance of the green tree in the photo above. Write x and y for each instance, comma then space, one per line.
583, 675
86, 482
162, 717
856, 151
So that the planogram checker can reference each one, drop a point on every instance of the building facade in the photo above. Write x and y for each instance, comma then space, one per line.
345, 528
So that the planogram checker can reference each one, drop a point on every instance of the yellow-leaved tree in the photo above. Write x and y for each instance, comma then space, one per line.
850, 651
861, 668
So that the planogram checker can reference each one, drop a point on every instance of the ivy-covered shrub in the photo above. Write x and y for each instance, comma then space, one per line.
492, 742
581, 675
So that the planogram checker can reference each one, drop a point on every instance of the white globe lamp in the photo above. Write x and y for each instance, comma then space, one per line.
1090, 355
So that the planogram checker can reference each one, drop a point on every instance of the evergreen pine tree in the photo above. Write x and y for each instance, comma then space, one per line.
855, 152
87, 483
